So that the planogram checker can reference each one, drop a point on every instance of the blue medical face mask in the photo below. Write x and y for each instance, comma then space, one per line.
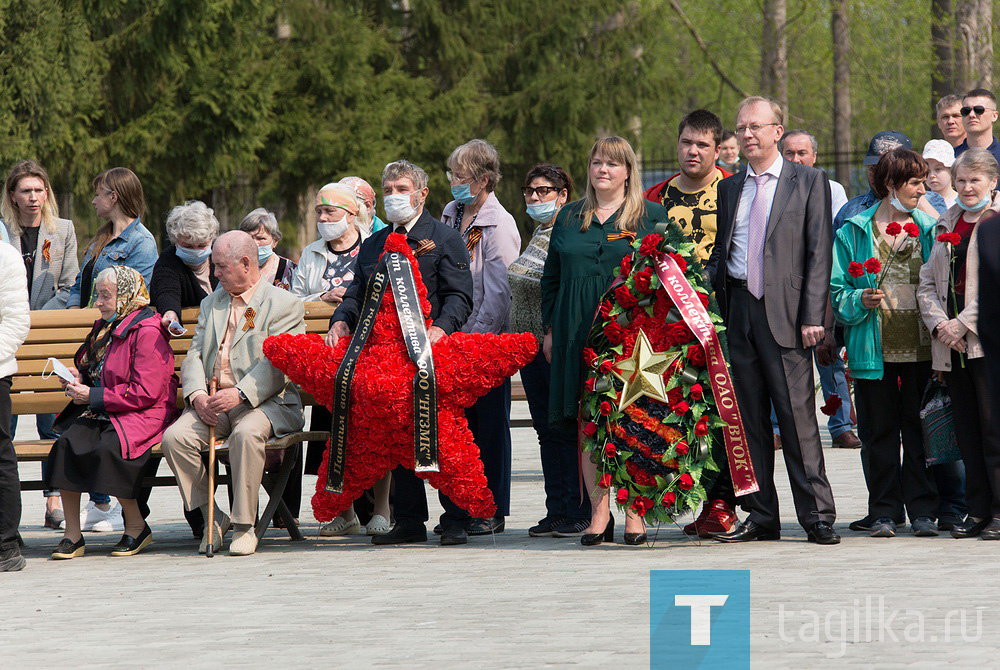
463, 194
978, 207
193, 257
263, 253
542, 212
899, 206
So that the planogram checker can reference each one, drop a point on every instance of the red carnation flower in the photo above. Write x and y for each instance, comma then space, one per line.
681, 448
833, 403
589, 357
625, 297
681, 408
605, 408
642, 281
696, 355
610, 450
605, 366
669, 498
912, 229
605, 480
614, 332
701, 428
697, 392
590, 429
686, 483
893, 229
626, 266
649, 244
605, 310
873, 266
949, 238
681, 263
705, 300
622, 496
855, 269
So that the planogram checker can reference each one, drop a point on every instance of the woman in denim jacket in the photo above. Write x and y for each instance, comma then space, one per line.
123, 240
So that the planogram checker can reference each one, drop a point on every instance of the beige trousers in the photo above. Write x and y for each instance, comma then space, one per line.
246, 430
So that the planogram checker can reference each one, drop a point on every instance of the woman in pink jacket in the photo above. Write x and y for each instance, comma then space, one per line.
123, 397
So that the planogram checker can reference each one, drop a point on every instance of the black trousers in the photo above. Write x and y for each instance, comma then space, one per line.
10, 484
889, 415
489, 421
765, 374
971, 402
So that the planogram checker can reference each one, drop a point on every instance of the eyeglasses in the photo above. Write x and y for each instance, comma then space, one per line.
754, 128
978, 109
457, 179
540, 191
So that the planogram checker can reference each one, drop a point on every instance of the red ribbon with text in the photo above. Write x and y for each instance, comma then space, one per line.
696, 317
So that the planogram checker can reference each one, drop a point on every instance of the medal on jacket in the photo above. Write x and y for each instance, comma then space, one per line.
45, 251
248, 316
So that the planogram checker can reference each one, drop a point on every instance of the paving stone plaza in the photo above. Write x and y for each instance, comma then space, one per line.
512, 602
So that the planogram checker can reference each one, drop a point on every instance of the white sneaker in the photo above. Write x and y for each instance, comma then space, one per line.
94, 519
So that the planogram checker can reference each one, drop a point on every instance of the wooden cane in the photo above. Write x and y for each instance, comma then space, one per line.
210, 528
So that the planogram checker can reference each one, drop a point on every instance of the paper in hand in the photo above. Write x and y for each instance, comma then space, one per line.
175, 328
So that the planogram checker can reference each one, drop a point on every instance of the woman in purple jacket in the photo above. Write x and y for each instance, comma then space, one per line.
123, 397
491, 237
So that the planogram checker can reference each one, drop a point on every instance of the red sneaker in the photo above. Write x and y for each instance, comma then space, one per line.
716, 517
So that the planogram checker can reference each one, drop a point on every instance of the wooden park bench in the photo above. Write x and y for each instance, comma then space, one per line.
59, 333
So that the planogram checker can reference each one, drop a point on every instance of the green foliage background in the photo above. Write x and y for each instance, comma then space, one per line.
243, 103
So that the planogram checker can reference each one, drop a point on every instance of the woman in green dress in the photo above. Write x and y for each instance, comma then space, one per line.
589, 239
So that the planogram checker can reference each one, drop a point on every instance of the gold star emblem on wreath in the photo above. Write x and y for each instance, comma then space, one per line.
642, 372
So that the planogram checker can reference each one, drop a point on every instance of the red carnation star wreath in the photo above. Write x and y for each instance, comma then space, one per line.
380, 426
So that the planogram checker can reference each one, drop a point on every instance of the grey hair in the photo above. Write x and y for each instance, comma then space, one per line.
194, 220
107, 275
261, 217
977, 161
479, 158
799, 131
405, 169
236, 244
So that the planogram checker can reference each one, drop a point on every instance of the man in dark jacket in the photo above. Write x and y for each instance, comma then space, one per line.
444, 267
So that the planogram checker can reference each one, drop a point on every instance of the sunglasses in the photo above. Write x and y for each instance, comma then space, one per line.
542, 191
978, 109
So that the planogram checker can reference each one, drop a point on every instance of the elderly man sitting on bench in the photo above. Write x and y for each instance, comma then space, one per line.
254, 402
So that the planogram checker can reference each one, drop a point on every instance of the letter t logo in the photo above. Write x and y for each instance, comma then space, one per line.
701, 615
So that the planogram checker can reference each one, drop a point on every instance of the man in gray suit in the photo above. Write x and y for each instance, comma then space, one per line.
254, 400
771, 271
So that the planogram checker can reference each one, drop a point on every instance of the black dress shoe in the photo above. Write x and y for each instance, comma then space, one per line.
592, 539
635, 539
452, 535
747, 531
130, 546
992, 530
437, 529
67, 549
822, 533
401, 535
486, 526
969, 528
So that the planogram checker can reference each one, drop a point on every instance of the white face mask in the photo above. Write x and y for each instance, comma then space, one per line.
398, 208
331, 230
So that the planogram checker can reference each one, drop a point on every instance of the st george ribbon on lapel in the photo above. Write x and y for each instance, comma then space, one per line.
392, 269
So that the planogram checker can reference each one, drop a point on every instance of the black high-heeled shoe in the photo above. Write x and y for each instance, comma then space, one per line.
635, 538
591, 539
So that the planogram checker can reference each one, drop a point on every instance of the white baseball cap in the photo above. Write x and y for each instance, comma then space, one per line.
940, 151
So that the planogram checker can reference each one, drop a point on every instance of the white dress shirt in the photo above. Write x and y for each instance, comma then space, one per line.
736, 266
409, 224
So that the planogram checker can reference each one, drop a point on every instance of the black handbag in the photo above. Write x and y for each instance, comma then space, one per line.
938, 425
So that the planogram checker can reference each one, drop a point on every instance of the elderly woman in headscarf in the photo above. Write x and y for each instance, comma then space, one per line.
123, 397
262, 226
326, 268
368, 220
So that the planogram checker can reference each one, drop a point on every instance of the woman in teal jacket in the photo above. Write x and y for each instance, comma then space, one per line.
888, 346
